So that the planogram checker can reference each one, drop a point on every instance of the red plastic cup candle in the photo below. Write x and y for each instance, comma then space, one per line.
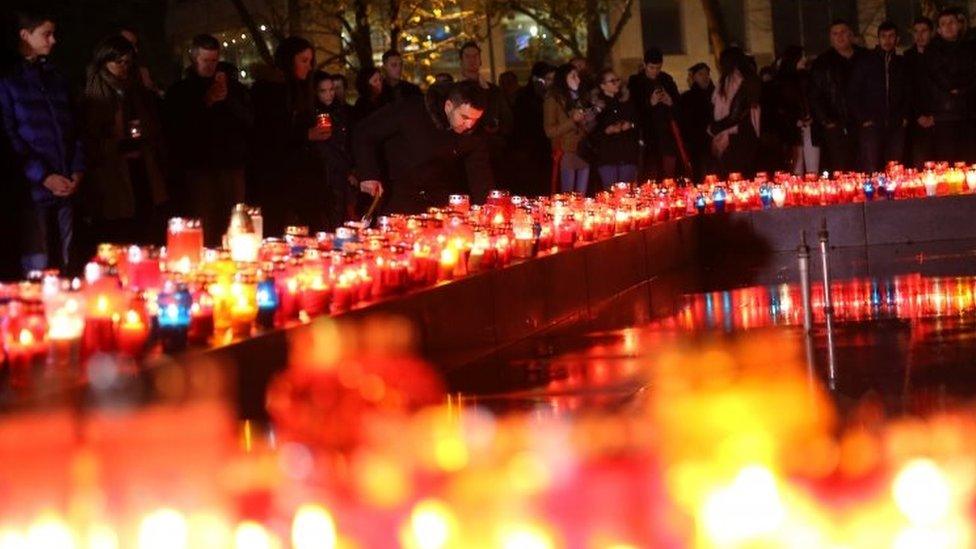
201, 319
25, 354
324, 121
184, 244
132, 334
100, 325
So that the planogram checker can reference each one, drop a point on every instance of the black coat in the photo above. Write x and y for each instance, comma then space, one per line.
426, 159
791, 105
336, 152
829, 78
401, 90
918, 102
696, 115
529, 130
951, 80
655, 121
618, 148
207, 137
878, 91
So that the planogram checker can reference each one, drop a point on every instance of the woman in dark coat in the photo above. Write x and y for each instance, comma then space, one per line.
736, 111
797, 129
286, 182
123, 144
615, 135
332, 148
369, 85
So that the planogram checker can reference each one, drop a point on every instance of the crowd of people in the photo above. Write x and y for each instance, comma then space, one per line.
112, 162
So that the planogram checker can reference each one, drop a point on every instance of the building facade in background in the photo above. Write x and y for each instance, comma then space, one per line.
762, 27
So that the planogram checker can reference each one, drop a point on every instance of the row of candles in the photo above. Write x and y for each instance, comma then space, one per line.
133, 297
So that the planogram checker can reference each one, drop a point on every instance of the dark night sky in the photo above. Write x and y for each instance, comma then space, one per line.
82, 23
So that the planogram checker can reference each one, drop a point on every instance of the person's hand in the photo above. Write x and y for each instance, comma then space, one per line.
666, 99
578, 115
612, 129
953, 92
830, 125
371, 187
867, 124
58, 184
353, 181
75, 181
318, 133
657, 96
926, 121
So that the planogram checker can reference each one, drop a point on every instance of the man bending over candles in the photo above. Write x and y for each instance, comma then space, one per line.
430, 148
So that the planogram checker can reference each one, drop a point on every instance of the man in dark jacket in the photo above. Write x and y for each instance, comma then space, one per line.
696, 115
432, 148
951, 83
395, 87
530, 145
209, 116
878, 98
920, 121
829, 79
655, 96
44, 142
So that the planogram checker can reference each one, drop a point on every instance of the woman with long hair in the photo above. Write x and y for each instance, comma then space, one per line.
798, 130
369, 86
126, 185
567, 119
283, 104
615, 134
736, 111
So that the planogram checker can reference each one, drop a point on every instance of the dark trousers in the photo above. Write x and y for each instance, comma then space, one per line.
952, 141
879, 145
839, 147
213, 193
46, 233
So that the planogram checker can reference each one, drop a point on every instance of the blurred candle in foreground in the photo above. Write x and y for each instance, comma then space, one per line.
313, 528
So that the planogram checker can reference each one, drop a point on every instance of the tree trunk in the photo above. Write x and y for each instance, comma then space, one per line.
597, 45
718, 36
294, 18
395, 29
361, 40
252, 28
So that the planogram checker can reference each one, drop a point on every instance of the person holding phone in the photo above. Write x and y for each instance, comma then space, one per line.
655, 97
209, 116
567, 120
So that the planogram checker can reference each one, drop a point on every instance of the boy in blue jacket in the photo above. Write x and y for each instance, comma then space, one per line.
43, 139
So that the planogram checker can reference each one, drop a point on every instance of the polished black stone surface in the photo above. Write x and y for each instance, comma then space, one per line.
903, 334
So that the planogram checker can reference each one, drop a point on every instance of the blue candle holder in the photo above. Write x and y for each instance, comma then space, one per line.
719, 195
268, 302
868, 190
700, 203
174, 317
766, 195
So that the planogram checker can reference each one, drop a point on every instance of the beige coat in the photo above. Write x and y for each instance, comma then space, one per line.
560, 128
